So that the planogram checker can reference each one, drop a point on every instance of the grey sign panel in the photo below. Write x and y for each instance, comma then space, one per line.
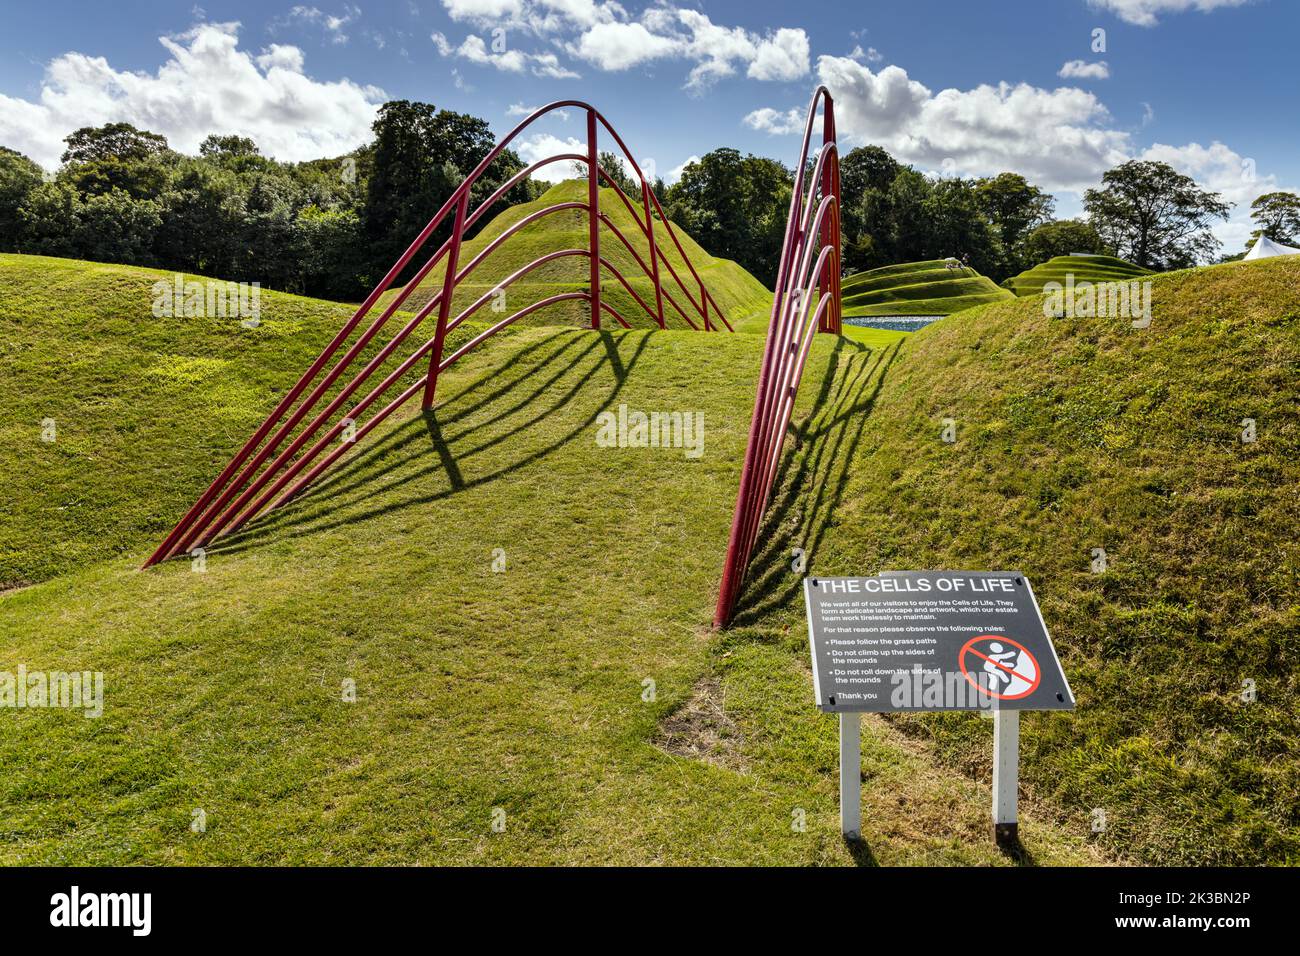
931, 640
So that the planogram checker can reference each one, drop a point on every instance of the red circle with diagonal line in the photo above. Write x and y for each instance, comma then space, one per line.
968, 648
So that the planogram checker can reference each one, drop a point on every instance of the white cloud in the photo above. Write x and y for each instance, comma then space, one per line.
1083, 70
534, 16
784, 56
548, 64
521, 109
540, 145
483, 10
665, 32
331, 23
768, 120
1145, 13
604, 34
1225, 171
675, 174
1057, 138
475, 50
618, 46
207, 85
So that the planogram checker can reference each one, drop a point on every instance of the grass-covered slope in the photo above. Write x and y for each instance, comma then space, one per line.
1079, 434
1083, 268
146, 409
576, 689
737, 292
917, 288
579, 690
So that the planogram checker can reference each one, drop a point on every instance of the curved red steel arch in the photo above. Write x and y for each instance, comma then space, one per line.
249, 486
813, 224
258, 479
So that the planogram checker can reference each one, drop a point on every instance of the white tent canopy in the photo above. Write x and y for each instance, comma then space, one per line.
1266, 248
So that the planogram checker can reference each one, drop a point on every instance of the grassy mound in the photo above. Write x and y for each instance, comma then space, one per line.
737, 292
1083, 268
578, 690
1079, 434
146, 409
917, 288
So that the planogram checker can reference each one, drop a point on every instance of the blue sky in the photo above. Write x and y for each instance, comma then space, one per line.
963, 88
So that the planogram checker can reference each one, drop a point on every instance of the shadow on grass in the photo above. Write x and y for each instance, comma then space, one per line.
860, 850
342, 498
811, 480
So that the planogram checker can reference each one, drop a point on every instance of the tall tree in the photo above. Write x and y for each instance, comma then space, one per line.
1153, 215
735, 206
420, 156
866, 173
1062, 237
1277, 215
18, 177
112, 141
1015, 207
231, 145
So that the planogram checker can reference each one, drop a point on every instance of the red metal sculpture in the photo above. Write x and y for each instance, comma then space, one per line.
813, 226
249, 486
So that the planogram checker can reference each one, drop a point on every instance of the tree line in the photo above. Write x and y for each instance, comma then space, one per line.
327, 227
1143, 211
332, 227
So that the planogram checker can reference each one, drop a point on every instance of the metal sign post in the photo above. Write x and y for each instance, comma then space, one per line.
1006, 776
851, 775
926, 641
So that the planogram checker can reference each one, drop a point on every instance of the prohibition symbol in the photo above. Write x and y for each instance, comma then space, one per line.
1009, 671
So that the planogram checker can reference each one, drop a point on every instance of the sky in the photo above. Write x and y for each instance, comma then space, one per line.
1058, 90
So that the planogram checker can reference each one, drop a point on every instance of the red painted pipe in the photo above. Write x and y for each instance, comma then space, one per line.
789, 339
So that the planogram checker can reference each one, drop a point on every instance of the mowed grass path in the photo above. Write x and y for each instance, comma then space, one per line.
523, 690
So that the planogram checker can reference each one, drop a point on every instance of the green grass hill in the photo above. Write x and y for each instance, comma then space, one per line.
737, 292
1078, 434
1083, 268
580, 690
917, 288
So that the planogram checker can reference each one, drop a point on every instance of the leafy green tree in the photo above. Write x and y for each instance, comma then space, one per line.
120, 141
1154, 216
203, 214
1015, 207
866, 173
866, 167
1277, 216
420, 156
956, 227
50, 217
18, 177
271, 250
1061, 237
329, 239
231, 145
613, 165
736, 207
139, 178
237, 153
117, 227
